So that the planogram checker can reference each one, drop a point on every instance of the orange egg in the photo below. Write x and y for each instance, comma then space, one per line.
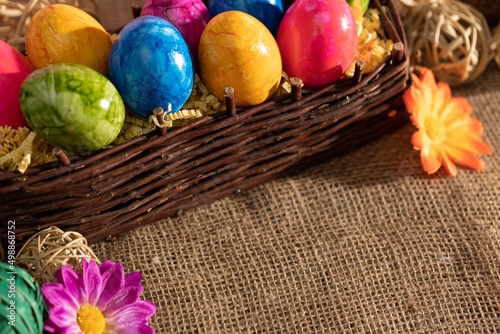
237, 50
66, 34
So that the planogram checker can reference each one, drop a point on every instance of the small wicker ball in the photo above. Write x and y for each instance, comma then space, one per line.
48, 250
496, 42
21, 305
449, 37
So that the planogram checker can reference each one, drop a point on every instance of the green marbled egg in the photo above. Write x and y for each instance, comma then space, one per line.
72, 106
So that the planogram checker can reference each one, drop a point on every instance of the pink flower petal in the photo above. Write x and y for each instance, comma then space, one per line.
75, 329
92, 282
61, 317
134, 329
55, 294
106, 266
69, 279
69, 329
138, 312
113, 280
126, 297
134, 278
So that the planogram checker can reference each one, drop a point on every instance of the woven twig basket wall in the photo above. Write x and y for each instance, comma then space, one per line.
109, 192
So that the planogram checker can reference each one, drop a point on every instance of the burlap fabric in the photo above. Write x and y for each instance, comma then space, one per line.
364, 243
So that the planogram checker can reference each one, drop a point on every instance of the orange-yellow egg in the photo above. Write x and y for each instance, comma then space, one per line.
66, 34
237, 50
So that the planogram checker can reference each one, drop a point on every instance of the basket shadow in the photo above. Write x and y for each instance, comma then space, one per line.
385, 160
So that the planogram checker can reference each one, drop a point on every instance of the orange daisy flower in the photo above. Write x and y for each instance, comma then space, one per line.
447, 134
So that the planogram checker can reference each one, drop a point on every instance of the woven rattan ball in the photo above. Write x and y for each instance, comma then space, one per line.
21, 303
496, 38
449, 37
47, 251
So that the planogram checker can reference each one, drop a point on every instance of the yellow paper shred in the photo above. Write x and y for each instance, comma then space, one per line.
133, 127
200, 103
372, 47
21, 148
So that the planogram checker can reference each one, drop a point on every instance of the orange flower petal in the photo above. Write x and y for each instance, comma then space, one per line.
449, 166
419, 114
415, 122
468, 141
409, 101
457, 106
442, 98
416, 80
428, 88
464, 158
475, 126
419, 139
429, 156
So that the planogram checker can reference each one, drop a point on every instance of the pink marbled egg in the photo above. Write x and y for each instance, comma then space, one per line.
317, 41
188, 16
14, 68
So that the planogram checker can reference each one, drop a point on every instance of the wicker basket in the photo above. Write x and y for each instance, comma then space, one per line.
109, 192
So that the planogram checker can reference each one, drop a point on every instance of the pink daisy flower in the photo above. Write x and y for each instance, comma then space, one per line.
100, 300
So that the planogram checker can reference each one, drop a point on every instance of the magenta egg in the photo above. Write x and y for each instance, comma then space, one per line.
317, 41
14, 68
188, 16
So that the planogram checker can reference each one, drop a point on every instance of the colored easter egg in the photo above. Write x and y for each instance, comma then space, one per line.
72, 106
269, 12
14, 68
150, 66
66, 34
318, 41
237, 50
188, 16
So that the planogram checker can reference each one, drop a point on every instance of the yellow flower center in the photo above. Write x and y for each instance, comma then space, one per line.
435, 128
90, 320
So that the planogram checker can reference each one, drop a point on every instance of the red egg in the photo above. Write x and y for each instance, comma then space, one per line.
14, 68
318, 41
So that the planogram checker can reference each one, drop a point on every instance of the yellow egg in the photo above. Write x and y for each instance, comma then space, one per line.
66, 34
237, 50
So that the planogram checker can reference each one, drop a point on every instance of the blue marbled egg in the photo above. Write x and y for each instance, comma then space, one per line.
269, 12
151, 67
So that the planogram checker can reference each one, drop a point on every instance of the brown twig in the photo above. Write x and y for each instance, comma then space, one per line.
61, 156
296, 84
358, 71
136, 9
230, 101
